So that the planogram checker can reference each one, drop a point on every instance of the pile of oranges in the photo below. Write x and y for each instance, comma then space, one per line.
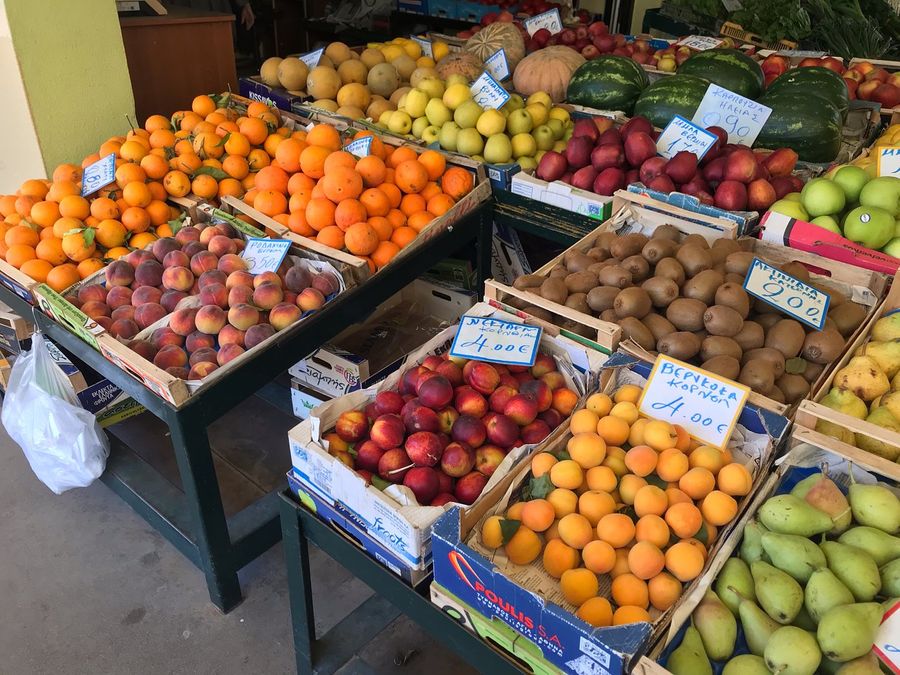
371, 207
631, 499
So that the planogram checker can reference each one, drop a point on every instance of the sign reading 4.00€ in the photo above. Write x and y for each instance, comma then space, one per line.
487, 339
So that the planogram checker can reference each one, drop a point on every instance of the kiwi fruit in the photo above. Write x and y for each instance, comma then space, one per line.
581, 282
670, 268
734, 296
813, 371
702, 334
660, 326
724, 365
739, 262
768, 320
578, 302
661, 290
751, 336
773, 356
777, 395
722, 320
518, 303
638, 266
656, 249
538, 313
579, 329
598, 254
848, 317
614, 275
732, 278
597, 266
794, 387
569, 255
837, 297
602, 298
694, 259
604, 239
633, 329
579, 262
634, 301
527, 281
669, 232
680, 345
796, 270
722, 248
719, 345
554, 289
823, 346
630, 244
559, 271
759, 375
696, 240
787, 337
609, 315
703, 286
686, 314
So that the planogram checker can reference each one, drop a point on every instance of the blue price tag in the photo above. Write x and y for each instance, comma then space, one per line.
265, 255
497, 65
361, 147
681, 134
549, 20
486, 339
312, 59
424, 44
488, 93
741, 117
98, 175
787, 294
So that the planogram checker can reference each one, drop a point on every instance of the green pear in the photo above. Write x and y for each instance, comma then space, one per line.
875, 506
746, 664
863, 665
689, 658
883, 418
823, 493
733, 582
777, 592
751, 544
757, 625
716, 625
881, 546
843, 434
823, 592
855, 568
847, 632
805, 621
886, 328
890, 578
886, 355
863, 376
787, 514
797, 556
846, 402
792, 651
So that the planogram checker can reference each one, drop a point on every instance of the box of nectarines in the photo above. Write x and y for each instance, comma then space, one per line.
383, 463
589, 549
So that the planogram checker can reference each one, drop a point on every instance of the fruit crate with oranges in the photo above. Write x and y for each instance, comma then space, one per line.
517, 557
364, 482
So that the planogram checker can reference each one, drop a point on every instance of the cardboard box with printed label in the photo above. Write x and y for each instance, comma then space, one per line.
15, 331
257, 90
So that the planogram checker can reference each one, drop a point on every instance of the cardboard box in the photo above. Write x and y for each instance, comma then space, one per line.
564, 196
15, 331
18, 282
257, 90
304, 399
393, 519
508, 259
527, 598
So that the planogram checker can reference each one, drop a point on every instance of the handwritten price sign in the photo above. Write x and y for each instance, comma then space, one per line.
99, 174
549, 20
424, 44
706, 405
497, 65
488, 93
265, 255
887, 641
788, 294
312, 59
681, 134
486, 339
742, 118
888, 160
361, 147
700, 42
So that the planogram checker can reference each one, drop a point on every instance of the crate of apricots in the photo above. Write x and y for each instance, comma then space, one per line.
608, 527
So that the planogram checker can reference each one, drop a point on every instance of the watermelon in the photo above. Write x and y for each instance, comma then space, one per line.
727, 68
809, 125
816, 81
607, 82
670, 96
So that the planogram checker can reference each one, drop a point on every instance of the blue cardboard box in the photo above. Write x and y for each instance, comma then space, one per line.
256, 90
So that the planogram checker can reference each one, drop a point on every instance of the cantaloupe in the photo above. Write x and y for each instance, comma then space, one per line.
323, 82
353, 70
354, 94
460, 63
268, 73
338, 52
405, 66
371, 57
292, 73
495, 36
383, 79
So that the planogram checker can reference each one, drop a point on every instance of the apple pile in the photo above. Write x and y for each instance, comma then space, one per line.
776, 64
450, 423
602, 158
526, 8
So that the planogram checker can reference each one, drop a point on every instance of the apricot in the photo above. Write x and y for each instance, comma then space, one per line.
559, 557
684, 519
641, 460
563, 501
636, 435
697, 483
734, 479
601, 478
616, 529
594, 504
630, 393
599, 556
625, 410
523, 547
629, 485
514, 512
677, 496
538, 515
541, 463
627, 589
599, 404
630, 614
575, 530
707, 457
645, 560
660, 435
650, 500
718, 508
583, 421
587, 448
578, 585
596, 611
615, 460
652, 528
664, 591
566, 474
613, 430
672, 464
620, 567
684, 561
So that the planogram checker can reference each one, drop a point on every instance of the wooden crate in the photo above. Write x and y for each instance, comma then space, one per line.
733, 30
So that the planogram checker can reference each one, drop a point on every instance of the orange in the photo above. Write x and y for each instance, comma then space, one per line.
320, 214
204, 186
339, 159
402, 236
393, 193
377, 147
331, 236
400, 155
384, 253
440, 204
457, 182
254, 129
375, 201
17, 254
63, 276
132, 151
225, 128
361, 239
154, 166
300, 199
76, 247
258, 159
287, 155
237, 144
342, 183
411, 204
272, 178
24, 204
130, 173
396, 218
158, 211
325, 136
155, 122
110, 147
434, 163
51, 250
312, 161
297, 223
21, 234
136, 194
45, 233
87, 267
74, 206
7, 205
34, 188
66, 173
272, 143
60, 189
162, 138
419, 221
430, 190
142, 239
157, 191
36, 269
203, 105
44, 213
230, 187
411, 176
256, 108
372, 170
111, 233
63, 225
300, 181
382, 226
90, 159
270, 202
348, 211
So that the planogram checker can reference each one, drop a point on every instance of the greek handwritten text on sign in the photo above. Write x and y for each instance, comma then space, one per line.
700, 42
488, 93
549, 20
424, 44
888, 159
486, 339
742, 118
99, 174
788, 294
265, 255
681, 134
497, 65
312, 59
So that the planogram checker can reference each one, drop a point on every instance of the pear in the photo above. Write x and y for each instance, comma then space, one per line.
823, 493
792, 651
891, 402
797, 556
875, 506
886, 355
855, 568
733, 582
834, 430
886, 328
716, 625
746, 664
777, 592
823, 592
883, 418
863, 665
848, 631
881, 546
787, 514
863, 376
751, 544
895, 382
890, 578
805, 621
757, 625
689, 658
845, 402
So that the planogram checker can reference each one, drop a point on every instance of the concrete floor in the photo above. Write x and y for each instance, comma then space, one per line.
88, 587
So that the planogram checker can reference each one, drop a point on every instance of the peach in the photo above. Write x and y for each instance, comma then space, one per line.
228, 353
267, 295
469, 430
388, 402
122, 313
410, 378
535, 432
220, 245
182, 321
352, 426
149, 313
482, 377
124, 328
204, 261
540, 391
144, 348
266, 278
502, 431
388, 432
161, 247
170, 299
394, 464
138, 256
201, 370
488, 458
214, 294
146, 294
290, 297
95, 309
239, 295
368, 454
325, 283
178, 372
424, 448
554, 379
447, 418
187, 234
229, 335
197, 340
435, 392
446, 482
162, 337
148, 273
117, 296
176, 259
207, 233
432, 361
310, 300
192, 248
210, 319
552, 418
457, 460
543, 364
501, 396
104, 322
297, 278
451, 371
781, 162
257, 334
469, 402
119, 273
521, 409
170, 356
420, 418
469, 487
211, 277
243, 316
283, 315
564, 401
231, 262
178, 279
203, 354
94, 293
423, 482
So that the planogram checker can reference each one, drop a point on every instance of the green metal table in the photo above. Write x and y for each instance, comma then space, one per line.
194, 519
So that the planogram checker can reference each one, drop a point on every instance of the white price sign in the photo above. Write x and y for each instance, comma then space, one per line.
265, 255
99, 174
488, 93
888, 160
887, 641
681, 134
700, 42
497, 65
424, 44
361, 147
312, 59
706, 405
787, 294
741, 117
549, 20
486, 339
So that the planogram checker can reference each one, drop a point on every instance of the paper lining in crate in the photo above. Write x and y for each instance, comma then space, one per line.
393, 517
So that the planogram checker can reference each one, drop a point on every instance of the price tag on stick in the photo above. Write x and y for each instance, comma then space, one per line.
265, 255
361, 147
98, 175
787, 294
705, 404
486, 339
742, 118
488, 93
549, 20
497, 65
681, 134
312, 59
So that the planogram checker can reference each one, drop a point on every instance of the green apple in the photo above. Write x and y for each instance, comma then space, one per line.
432, 86
827, 223
469, 142
515, 102
466, 115
791, 208
870, 226
793, 197
540, 97
539, 113
498, 149
400, 122
892, 247
491, 122
431, 134
557, 127
447, 137
523, 145
385, 117
543, 136
437, 113
519, 122
419, 125
822, 197
883, 193
416, 100
852, 179
527, 163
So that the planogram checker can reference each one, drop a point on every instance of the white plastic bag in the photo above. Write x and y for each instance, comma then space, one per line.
61, 440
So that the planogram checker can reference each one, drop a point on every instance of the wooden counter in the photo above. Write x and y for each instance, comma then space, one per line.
174, 57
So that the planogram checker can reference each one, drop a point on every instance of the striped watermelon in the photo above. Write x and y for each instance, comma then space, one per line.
816, 81
727, 68
809, 125
670, 96
607, 82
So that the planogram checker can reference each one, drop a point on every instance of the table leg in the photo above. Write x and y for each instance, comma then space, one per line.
296, 555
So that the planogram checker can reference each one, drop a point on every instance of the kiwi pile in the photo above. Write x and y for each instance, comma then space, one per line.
679, 296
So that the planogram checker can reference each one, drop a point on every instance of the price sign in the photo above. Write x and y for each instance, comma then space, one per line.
802, 53
887, 640
99, 174
700, 42
549, 20
497, 65
681, 134
888, 160
486, 339
742, 118
733, 5
424, 44
488, 93
312, 59
361, 147
265, 255
705, 404
787, 294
